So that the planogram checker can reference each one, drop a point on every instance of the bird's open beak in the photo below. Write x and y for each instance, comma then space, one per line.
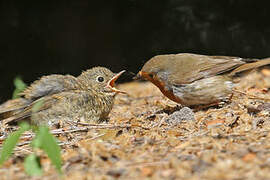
111, 83
138, 76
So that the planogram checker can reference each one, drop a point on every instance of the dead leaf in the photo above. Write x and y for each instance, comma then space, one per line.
249, 157
147, 171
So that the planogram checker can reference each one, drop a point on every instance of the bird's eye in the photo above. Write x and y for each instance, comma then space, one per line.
100, 79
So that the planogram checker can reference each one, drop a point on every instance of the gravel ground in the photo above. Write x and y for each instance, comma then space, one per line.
159, 139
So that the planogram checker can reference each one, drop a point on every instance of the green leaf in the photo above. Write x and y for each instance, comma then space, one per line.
32, 165
19, 87
48, 143
11, 141
36, 142
37, 105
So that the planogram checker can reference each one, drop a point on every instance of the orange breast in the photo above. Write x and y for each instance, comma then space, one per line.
161, 85
169, 94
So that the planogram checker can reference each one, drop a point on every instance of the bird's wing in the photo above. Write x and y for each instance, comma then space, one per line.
10, 107
200, 66
34, 107
49, 85
13, 104
58, 100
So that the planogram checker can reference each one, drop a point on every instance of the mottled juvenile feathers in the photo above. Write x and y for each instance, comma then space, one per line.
64, 98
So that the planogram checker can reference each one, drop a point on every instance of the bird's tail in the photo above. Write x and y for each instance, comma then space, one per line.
12, 107
249, 66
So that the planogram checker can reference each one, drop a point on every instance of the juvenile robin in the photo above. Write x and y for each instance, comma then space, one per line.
54, 98
192, 79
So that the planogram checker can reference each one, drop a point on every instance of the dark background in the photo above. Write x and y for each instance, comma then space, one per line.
67, 36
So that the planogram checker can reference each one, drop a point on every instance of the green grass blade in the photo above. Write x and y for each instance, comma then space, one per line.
48, 144
37, 105
19, 87
11, 141
32, 165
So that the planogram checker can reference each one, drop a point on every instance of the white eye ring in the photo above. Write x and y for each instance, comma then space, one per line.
100, 79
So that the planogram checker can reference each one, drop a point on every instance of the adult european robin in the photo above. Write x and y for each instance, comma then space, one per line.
193, 79
54, 98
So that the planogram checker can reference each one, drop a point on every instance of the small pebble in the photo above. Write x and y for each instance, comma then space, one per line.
184, 114
116, 173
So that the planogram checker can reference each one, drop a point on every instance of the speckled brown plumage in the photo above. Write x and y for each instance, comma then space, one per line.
86, 98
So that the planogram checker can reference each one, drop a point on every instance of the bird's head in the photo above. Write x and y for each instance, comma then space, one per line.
100, 79
155, 70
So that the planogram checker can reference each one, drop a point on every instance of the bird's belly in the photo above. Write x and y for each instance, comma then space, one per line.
205, 91
84, 110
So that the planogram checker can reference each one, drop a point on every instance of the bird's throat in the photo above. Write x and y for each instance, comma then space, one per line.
162, 87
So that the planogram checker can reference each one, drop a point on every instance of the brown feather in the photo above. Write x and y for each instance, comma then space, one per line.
208, 66
249, 66
28, 110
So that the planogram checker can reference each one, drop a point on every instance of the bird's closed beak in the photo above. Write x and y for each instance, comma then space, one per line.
111, 83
